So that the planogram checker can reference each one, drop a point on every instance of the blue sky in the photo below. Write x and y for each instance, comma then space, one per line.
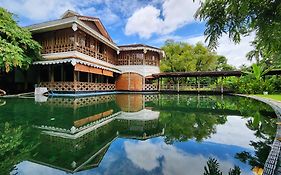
133, 21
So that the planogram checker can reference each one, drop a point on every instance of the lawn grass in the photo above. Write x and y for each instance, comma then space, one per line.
274, 97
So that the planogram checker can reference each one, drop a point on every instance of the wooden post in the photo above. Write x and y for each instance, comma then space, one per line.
25, 80
221, 85
62, 74
75, 80
129, 83
52, 41
143, 83
198, 81
178, 84
52, 79
158, 83
75, 40
38, 76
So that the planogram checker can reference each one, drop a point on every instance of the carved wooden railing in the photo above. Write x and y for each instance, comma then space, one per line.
66, 47
78, 86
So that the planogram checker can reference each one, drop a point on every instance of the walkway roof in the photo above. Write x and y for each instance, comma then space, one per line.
209, 74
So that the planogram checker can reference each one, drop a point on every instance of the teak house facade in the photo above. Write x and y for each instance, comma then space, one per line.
80, 56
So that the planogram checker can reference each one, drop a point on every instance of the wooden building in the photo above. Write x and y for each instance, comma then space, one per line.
80, 56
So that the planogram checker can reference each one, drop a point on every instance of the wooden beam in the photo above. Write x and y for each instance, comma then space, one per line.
107, 73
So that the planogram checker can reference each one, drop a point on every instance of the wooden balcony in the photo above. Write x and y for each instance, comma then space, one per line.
70, 47
77, 86
66, 40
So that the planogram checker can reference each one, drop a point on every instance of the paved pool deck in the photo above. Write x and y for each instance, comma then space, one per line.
273, 162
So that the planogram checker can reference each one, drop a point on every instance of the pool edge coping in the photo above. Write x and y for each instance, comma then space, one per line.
271, 166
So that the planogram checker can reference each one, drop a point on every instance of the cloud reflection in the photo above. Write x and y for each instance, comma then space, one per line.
148, 156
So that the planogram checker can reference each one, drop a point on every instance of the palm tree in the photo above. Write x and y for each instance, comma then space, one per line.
212, 168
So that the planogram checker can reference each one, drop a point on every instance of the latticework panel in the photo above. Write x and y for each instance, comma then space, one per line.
150, 87
80, 102
78, 86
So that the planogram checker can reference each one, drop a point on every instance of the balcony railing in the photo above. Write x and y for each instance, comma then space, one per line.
77, 86
66, 47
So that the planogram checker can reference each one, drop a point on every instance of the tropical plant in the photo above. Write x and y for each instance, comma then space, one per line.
257, 71
253, 81
213, 168
17, 48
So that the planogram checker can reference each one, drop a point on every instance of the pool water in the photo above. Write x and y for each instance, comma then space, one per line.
134, 134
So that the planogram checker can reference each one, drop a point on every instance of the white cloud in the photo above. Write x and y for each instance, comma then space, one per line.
145, 21
149, 20
38, 9
235, 53
106, 15
178, 13
109, 11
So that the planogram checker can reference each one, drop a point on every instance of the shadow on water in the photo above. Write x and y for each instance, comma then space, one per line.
74, 135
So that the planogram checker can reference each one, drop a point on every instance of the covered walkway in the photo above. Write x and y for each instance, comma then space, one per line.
203, 81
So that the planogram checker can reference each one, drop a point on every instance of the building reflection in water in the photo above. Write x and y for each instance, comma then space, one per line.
83, 145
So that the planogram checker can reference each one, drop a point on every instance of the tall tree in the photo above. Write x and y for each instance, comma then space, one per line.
240, 18
223, 65
17, 48
181, 57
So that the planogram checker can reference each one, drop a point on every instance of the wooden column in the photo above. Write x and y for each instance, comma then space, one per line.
198, 84
52, 41
143, 83
51, 74
75, 74
62, 73
178, 84
25, 79
158, 83
38, 76
75, 40
222, 85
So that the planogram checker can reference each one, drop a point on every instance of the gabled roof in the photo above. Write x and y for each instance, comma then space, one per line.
97, 21
71, 17
69, 13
